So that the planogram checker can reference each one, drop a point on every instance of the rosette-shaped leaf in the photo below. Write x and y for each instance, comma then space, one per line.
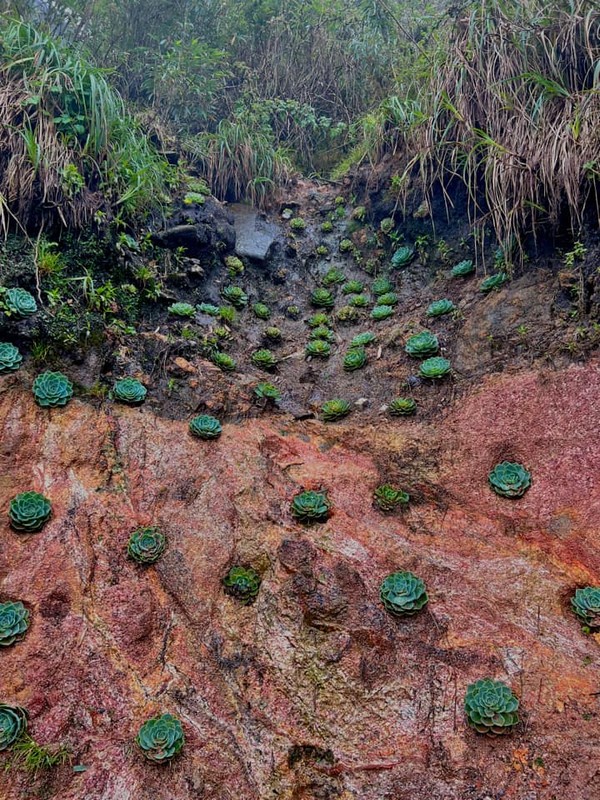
491, 707
322, 298
266, 391
264, 359
243, 584
352, 287
318, 320
52, 389
146, 545
20, 303
586, 604
293, 312
261, 311
363, 339
387, 497
493, 282
14, 621
388, 299
422, 345
346, 246
440, 307
402, 407
382, 286
318, 349
309, 507
224, 361
130, 390
298, 225
359, 301
327, 226
435, 368
355, 358
335, 409
347, 315
273, 334
13, 724
205, 427
403, 256
10, 358
381, 312
208, 308
182, 310
322, 333
403, 594
387, 225
463, 268
29, 512
161, 738
510, 479
333, 277
235, 266
235, 295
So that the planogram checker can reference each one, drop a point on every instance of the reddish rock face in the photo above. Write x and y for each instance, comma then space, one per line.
314, 691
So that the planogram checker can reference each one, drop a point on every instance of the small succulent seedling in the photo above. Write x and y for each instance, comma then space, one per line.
29, 512
402, 407
422, 345
52, 389
510, 479
462, 269
322, 298
317, 320
403, 256
264, 358
130, 390
235, 295
403, 594
493, 282
363, 339
322, 250
440, 307
310, 506
298, 225
293, 312
380, 313
347, 315
146, 545
267, 391
161, 738
14, 622
10, 358
322, 332
182, 310
353, 287
327, 226
273, 334
235, 266
13, 725
382, 286
339, 200
261, 311
19, 303
491, 707
388, 299
435, 368
387, 225
208, 308
222, 333
318, 348
586, 604
359, 213
359, 301
335, 409
388, 498
205, 427
346, 246
242, 583
227, 314
333, 277
224, 361
355, 358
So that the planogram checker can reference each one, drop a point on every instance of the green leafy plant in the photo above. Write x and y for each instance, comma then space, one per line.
586, 604
267, 391
402, 407
318, 320
440, 307
322, 250
235, 266
347, 315
346, 246
235, 295
339, 200
322, 332
146, 545
333, 277
327, 226
322, 298
208, 308
491, 707
29, 512
355, 358
387, 225
243, 583
19, 303
130, 391
10, 358
261, 311
205, 427
382, 286
224, 361
462, 269
387, 497
435, 368
13, 724
182, 310
403, 594
273, 334
32, 757
293, 312
14, 622
363, 339
510, 479
388, 299
264, 358
227, 314
318, 348
422, 345
403, 256
310, 507
493, 282
161, 738
52, 389
298, 225
380, 313
333, 410
359, 301
353, 287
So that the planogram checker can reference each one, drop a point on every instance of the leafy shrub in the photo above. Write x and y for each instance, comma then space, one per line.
243, 583
380, 313
491, 707
363, 339
403, 594
346, 246
387, 498
267, 391
298, 225
161, 738
146, 545
355, 358
327, 226
318, 320
19, 303
322, 332
235, 295
382, 286
29, 512
333, 277
440, 307
462, 269
208, 308
586, 604
261, 311
333, 410
422, 345
14, 622
310, 506
510, 479
493, 282
235, 266
435, 368
403, 256
264, 359
318, 348
182, 310
205, 427
224, 361
13, 724
322, 298
347, 315
130, 390
353, 287
272, 333
52, 389
359, 301
387, 299
10, 358
402, 407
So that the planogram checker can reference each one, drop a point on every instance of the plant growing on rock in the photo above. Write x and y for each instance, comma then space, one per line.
205, 427
146, 545
388, 299
586, 604
242, 583
403, 256
382, 286
310, 506
359, 301
235, 295
267, 391
510, 479
264, 358
14, 622
387, 498
353, 287
224, 361
491, 707
355, 358
402, 407
435, 368
182, 310
161, 738
363, 339
273, 334
380, 313
208, 308
235, 266
333, 410
298, 225
52, 389
327, 226
347, 315
261, 311
462, 269
29, 512
440, 307
333, 277
493, 282
422, 345
19, 303
13, 725
346, 246
318, 348
403, 594
10, 358
322, 298
130, 391
318, 319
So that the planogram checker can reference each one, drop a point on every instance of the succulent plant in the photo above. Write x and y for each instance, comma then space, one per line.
363, 339
242, 583
293, 312
463, 268
493, 282
387, 225
322, 298
355, 358
382, 286
14, 622
388, 299
335, 409
235, 295
10, 358
586, 604
273, 334
346, 246
491, 707
422, 345
359, 213
359, 301
352, 287
52, 389
235, 266
347, 315
322, 332
182, 310
309, 507
267, 391
13, 724
403, 256
298, 224
435, 368
318, 319
208, 308
205, 427
333, 276
318, 348
29, 512
322, 250
339, 200
403, 594
510, 479
224, 334
161, 738
261, 311
440, 307
380, 313
20, 302
387, 497
402, 407
264, 358
146, 545
224, 361
327, 226
130, 390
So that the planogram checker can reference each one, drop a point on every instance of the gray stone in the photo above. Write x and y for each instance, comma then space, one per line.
255, 235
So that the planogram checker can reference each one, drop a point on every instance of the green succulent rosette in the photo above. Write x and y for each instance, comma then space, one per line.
14, 622
388, 299
435, 368
363, 339
333, 277
242, 583
19, 302
403, 256
208, 308
161, 738
29, 512
273, 334
130, 391
13, 724
310, 506
586, 604
182, 310
440, 307
318, 320
52, 389
403, 594
318, 348
463, 268
335, 409
493, 282
402, 407
224, 361
267, 391
205, 427
359, 301
235, 295
380, 313
347, 315
261, 311
10, 358
146, 545
322, 298
422, 345
298, 224
322, 333
353, 287
327, 226
346, 246
491, 707
355, 358
388, 498
382, 286
264, 359
510, 479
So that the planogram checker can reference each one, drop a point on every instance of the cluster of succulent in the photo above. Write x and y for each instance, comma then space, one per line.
10, 358
243, 583
318, 348
353, 287
310, 506
333, 277
205, 427
359, 301
28, 512
422, 345
403, 594
261, 311
382, 286
403, 256
267, 391
363, 339
381, 312
322, 250
462, 269
493, 282
224, 361
264, 359
586, 604
146, 545
333, 410
327, 226
322, 298
347, 315
346, 246
322, 332
235, 295
272, 333
402, 407
298, 225
19, 303
435, 368
440, 307
13, 725
182, 310
130, 391
317, 320
388, 498
235, 266
355, 358
387, 225
510, 479
491, 707
52, 389
161, 738
14, 623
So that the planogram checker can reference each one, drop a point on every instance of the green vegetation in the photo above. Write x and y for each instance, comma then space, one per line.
510, 479
382, 286
31, 757
359, 301
29, 512
146, 545
52, 389
322, 332
422, 345
224, 361
264, 358
388, 299
310, 507
363, 339
205, 427
493, 282
243, 583
182, 310
403, 594
208, 308
235, 295
318, 348
298, 225
440, 307
235, 266
130, 391
380, 313
17, 302
333, 277
13, 724
267, 391
462, 269
491, 707
161, 738
388, 498
353, 287
346, 246
334, 410
435, 368
355, 358
261, 311
273, 334
10, 358
327, 226
347, 315
318, 320
403, 256
14, 623
322, 298
322, 251
402, 407
586, 604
